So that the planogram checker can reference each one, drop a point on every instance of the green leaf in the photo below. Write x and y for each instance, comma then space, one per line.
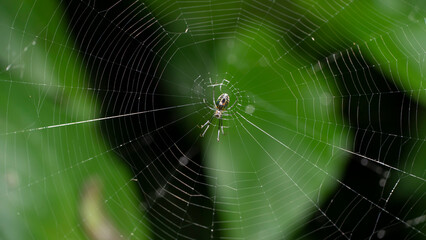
45, 169
388, 35
284, 128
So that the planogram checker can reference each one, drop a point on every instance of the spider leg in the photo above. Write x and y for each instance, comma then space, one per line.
202, 135
221, 126
208, 125
208, 122
236, 100
218, 132
214, 101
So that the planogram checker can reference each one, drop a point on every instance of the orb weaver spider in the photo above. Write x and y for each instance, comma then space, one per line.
220, 105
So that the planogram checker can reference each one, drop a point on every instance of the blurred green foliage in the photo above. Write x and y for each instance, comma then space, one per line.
250, 160
43, 172
305, 124
44, 82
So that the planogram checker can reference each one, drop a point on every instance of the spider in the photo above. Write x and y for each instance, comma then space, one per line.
221, 104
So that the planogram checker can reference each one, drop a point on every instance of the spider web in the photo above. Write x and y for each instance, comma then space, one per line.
102, 103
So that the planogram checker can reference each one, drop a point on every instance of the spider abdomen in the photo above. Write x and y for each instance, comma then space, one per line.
222, 102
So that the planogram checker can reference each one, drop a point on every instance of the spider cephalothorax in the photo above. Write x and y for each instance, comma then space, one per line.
220, 105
